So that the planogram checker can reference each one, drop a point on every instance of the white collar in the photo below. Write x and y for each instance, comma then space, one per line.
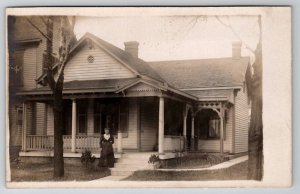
106, 136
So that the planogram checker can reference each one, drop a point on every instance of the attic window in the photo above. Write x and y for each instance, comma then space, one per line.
90, 59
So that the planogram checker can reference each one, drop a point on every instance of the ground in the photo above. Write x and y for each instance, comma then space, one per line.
44, 172
236, 172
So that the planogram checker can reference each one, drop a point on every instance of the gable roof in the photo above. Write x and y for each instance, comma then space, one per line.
137, 64
203, 73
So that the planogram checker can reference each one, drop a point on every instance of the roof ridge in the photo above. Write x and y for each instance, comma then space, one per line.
205, 59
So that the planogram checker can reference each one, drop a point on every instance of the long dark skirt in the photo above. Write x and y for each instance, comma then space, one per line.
107, 158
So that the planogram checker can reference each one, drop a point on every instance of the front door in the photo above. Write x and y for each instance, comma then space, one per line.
148, 124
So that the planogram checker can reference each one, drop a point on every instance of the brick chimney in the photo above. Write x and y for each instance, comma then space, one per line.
236, 49
132, 47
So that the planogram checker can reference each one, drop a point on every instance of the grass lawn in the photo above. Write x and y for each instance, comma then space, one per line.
194, 160
236, 172
44, 172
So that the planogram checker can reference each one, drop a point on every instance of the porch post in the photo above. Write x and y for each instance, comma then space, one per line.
24, 128
184, 129
221, 130
161, 126
119, 146
73, 140
192, 133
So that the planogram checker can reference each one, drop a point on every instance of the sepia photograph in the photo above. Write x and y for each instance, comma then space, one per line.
128, 97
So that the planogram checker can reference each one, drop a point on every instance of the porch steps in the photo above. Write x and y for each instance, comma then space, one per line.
129, 163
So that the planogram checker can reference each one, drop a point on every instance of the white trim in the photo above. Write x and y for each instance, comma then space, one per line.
212, 88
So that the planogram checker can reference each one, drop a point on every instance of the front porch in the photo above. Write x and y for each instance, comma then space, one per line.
141, 118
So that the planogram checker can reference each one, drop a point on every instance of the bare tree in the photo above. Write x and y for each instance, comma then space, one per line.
255, 139
55, 79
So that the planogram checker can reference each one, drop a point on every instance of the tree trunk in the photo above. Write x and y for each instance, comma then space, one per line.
57, 88
58, 160
255, 162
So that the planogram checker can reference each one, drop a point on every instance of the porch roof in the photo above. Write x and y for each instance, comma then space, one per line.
108, 85
213, 94
104, 86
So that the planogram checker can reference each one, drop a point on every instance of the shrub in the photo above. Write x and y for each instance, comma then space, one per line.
155, 161
87, 158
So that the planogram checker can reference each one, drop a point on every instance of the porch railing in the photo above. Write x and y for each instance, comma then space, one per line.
173, 143
46, 142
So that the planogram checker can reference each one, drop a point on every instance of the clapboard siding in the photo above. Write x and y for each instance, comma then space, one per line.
15, 130
241, 122
29, 68
130, 142
50, 120
103, 67
214, 145
29, 117
40, 118
149, 124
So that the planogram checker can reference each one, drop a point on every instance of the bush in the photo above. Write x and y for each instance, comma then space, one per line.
87, 158
155, 161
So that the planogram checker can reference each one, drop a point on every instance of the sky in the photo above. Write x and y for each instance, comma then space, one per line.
173, 37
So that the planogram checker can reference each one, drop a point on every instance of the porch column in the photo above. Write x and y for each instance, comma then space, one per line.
192, 133
184, 130
24, 128
161, 126
74, 113
221, 130
120, 146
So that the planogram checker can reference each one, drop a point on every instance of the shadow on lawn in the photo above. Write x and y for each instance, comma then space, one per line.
44, 172
236, 172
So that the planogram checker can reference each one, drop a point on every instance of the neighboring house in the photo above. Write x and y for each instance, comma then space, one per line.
26, 47
164, 107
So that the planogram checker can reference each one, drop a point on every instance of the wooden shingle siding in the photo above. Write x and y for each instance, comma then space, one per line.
103, 67
149, 124
130, 142
29, 68
241, 122
40, 118
214, 145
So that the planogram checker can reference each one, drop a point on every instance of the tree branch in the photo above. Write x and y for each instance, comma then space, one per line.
235, 33
42, 33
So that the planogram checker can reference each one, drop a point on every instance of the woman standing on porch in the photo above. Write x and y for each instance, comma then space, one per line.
107, 157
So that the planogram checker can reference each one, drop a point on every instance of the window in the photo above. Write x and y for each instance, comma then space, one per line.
19, 119
17, 68
173, 118
209, 125
97, 118
124, 117
53, 61
82, 118
214, 128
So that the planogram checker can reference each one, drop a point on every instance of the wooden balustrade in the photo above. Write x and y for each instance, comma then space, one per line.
46, 142
173, 143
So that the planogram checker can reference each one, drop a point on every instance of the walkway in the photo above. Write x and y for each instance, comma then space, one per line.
223, 165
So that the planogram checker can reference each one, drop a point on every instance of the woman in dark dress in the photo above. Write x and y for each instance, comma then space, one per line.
107, 157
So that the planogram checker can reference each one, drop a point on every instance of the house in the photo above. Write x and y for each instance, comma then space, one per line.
164, 107
26, 48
